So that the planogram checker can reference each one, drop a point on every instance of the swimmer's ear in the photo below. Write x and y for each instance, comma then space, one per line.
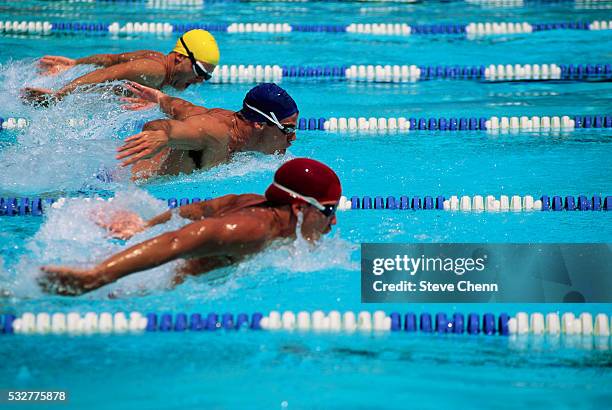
259, 125
297, 208
179, 58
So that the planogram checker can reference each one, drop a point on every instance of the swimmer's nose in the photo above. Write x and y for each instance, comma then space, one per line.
334, 220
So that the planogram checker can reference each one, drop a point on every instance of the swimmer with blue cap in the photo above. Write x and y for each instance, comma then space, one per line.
192, 61
303, 196
199, 138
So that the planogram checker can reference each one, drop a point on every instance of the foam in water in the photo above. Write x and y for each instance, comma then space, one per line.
15, 75
53, 156
69, 236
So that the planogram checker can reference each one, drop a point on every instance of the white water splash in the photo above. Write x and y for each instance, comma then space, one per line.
68, 145
16, 75
69, 236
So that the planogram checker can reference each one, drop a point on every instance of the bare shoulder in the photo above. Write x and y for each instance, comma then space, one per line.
252, 223
146, 54
240, 199
215, 123
231, 203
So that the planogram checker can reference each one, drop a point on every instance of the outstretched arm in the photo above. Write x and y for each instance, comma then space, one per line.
145, 97
226, 236
141, 71
191, 134
56, 64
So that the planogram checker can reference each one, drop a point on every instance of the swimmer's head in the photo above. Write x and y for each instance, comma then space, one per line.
310, 187
199, 57
275, 113
202, 45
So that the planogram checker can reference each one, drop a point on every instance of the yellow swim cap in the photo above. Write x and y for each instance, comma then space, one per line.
202, 44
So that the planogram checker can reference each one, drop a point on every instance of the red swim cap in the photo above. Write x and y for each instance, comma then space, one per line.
306, 177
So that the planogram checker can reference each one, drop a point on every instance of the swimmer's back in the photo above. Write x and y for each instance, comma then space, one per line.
229, 204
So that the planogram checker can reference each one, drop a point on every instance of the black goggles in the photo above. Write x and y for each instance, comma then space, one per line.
198, 68
328, 210
287, 129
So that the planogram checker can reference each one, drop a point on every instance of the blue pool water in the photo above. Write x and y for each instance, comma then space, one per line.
263, 370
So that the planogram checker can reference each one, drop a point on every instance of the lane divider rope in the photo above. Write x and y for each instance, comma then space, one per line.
240, 73
488, 324
471, 30
410, 73
478, 203
402, 124
492, 124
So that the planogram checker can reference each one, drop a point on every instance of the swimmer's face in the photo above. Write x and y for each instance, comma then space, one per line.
315, 223
274, 140
184, 76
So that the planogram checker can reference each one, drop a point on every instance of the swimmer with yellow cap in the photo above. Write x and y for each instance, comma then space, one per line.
192, 61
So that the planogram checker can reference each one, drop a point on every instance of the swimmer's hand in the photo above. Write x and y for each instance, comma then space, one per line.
144, 145
137, 104
52, 65
122, 225
67, 281
38, 96
144, 97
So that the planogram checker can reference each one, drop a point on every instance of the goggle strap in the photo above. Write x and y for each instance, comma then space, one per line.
272, 119
192, 57
308, 199
189, 53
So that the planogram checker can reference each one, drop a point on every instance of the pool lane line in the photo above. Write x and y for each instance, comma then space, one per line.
398, 74
37, 206
383, 125
472, 30
369, 73
397, 4
493, 124
522, 323
480, 203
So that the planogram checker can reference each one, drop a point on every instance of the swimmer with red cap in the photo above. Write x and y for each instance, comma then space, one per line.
224, 230
199, 138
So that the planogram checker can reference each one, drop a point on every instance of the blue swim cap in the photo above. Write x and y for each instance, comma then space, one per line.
267, 100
